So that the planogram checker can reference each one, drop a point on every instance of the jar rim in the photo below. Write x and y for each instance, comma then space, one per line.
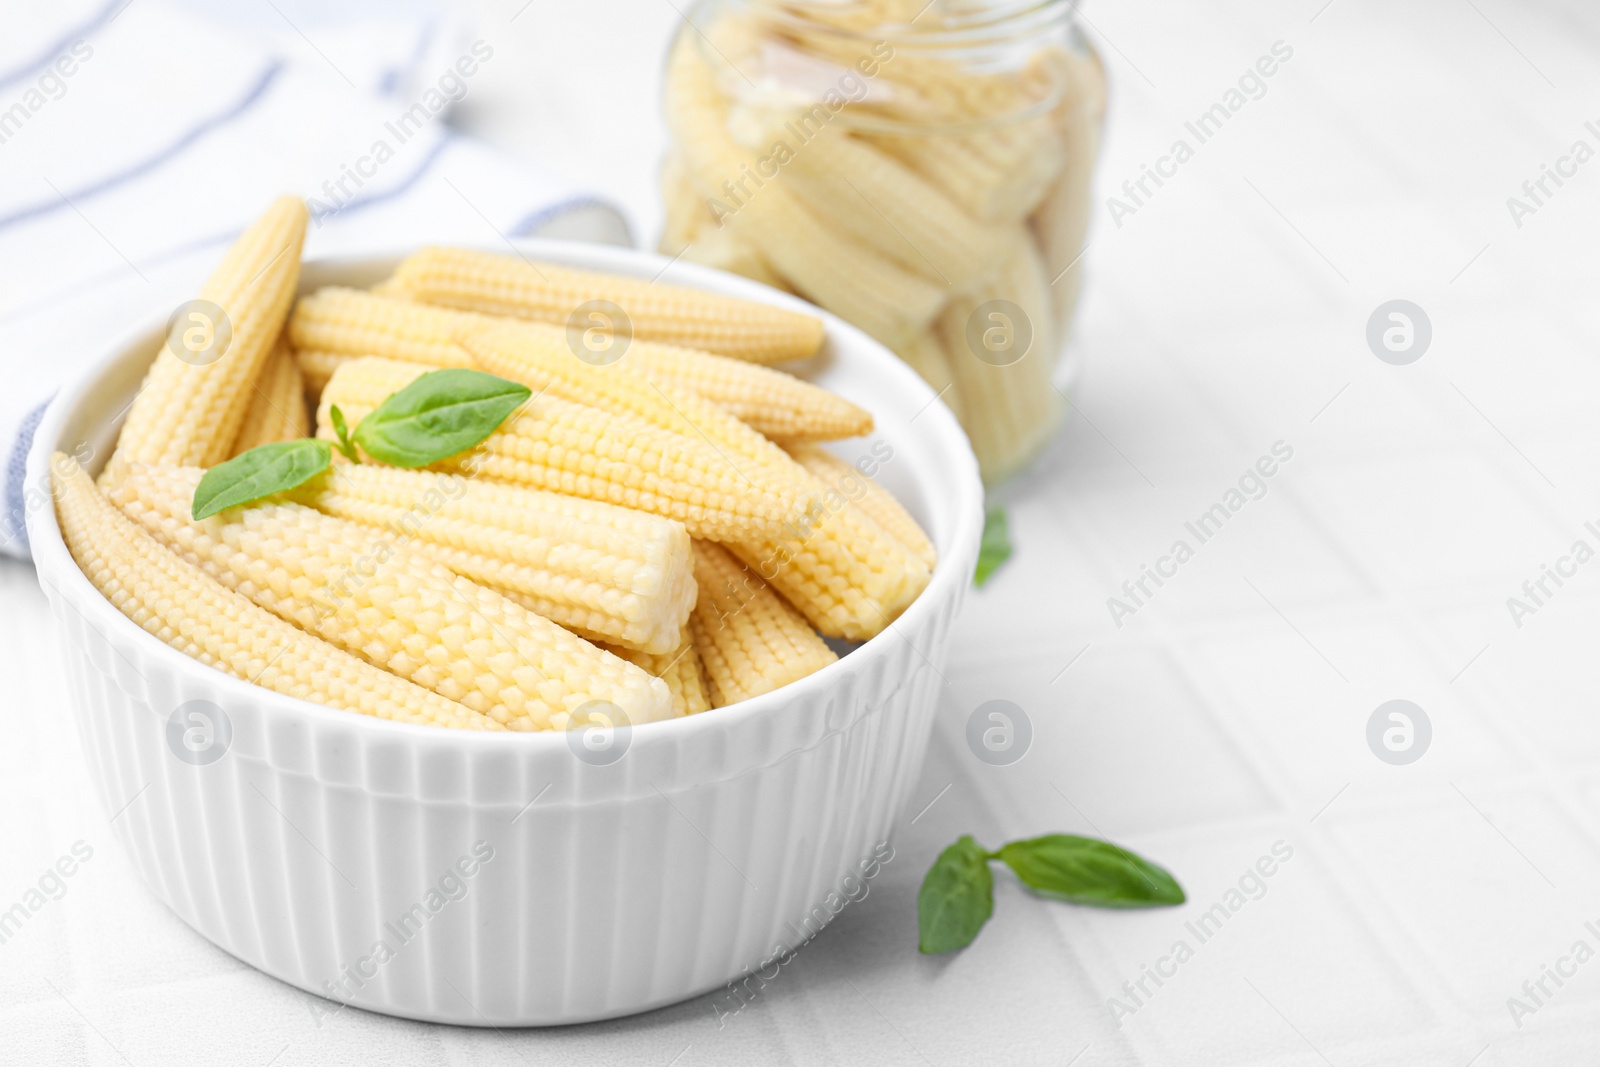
1005, 18
995, 30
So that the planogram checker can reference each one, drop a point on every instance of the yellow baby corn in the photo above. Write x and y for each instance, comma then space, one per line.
724, 249
844, 572
508, 285
541, 360
358, 323
277, 410
1001, 170
842, 275
939, 163
993, 176
749, 640
604, 572
190, 408
680, 669
1009, 410
690, 222
189, 610
317, 367
852, 186
876, 502
771, 402
582, 451
847, 574
357, 587
335, 324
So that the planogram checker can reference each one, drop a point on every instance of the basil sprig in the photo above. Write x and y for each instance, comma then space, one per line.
957, 895
438, 415
995, 548
259, 472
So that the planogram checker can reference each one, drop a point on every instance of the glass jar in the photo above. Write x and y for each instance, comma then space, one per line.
921, 170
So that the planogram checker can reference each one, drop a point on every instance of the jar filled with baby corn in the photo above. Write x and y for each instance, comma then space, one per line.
921, 170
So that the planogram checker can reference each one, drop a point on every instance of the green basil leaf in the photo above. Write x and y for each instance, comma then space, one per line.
262, 471
438, 415
995, 548
1085, 871
956, 898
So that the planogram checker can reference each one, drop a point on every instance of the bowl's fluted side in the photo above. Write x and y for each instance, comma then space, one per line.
574, 909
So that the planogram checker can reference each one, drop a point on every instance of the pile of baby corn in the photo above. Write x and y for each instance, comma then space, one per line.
650, 537
853, 154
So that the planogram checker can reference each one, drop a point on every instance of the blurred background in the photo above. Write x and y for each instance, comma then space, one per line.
1433, 161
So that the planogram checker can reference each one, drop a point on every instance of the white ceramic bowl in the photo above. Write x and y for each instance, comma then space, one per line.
319, 836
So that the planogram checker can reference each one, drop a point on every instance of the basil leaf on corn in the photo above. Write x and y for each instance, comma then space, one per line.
440, 414
259, 472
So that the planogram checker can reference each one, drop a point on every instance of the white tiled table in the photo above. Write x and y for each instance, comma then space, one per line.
1229, 713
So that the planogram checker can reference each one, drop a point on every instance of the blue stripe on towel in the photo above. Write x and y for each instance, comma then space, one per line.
37, 64
195, 244
392, 76
47, 207
399, 189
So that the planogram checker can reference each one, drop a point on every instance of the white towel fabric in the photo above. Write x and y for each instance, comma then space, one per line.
137, 138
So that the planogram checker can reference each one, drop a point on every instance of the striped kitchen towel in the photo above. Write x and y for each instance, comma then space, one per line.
137, 137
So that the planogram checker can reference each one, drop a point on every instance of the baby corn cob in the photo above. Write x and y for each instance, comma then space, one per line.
1011, 410
999, 172
317, 367
356, 323
582, 451
356, 587
844, 572
541, 360
690, 222
604, 572
680, 669
842, 275
189, 409
749, 640
876, 502
722, 247
771, 402
951, 171
994, 176
177, 602
277, 410
856, 188
506, 285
